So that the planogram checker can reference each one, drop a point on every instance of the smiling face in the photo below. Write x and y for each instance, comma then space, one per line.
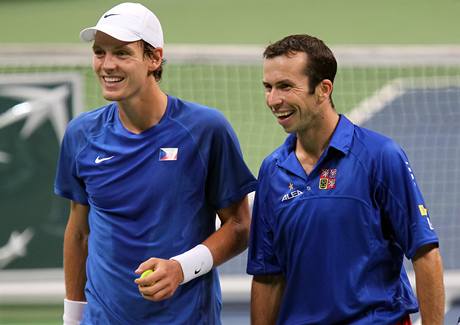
287, 92
121, 67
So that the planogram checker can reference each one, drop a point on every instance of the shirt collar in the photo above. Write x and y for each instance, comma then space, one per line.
288, 159
343, 135
341, 140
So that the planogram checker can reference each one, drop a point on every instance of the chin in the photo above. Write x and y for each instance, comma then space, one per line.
288, 129
111, 96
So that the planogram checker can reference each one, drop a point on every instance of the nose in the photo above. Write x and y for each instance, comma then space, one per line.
108, 62
273, 98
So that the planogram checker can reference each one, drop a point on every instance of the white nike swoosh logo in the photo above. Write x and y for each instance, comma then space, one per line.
99, 160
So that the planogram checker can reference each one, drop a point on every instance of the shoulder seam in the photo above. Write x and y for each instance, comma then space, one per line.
192, 137
378, 181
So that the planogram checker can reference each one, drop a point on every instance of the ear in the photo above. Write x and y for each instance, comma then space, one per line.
323, 90
155, 59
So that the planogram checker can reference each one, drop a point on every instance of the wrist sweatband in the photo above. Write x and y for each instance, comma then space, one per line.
195, 262
73, 312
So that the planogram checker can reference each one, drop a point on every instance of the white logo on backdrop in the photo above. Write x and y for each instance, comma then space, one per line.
38, 105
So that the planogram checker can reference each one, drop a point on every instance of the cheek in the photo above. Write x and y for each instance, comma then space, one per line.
96, 64
266, 98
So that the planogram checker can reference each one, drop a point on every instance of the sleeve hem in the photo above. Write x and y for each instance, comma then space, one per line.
410, 256
70, 196
248, 188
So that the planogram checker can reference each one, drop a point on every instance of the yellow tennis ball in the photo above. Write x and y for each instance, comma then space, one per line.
145, 273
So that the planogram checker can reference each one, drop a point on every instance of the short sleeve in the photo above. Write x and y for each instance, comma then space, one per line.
402, 202
261, 255
67, 183
229, 179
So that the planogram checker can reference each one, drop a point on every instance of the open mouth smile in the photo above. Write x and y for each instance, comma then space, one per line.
283, 115
112, 80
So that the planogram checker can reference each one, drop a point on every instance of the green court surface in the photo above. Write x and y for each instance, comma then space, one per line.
30, 314
246, 22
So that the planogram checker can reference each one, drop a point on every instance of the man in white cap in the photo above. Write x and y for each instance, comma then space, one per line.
146, 175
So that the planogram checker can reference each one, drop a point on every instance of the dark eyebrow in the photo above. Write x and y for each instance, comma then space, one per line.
284, 82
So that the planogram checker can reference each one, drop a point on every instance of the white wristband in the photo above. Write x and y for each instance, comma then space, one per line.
73, 312
195, 262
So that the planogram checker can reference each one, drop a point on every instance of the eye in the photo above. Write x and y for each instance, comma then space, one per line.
267, 88
98, 53
284, 86
122, 53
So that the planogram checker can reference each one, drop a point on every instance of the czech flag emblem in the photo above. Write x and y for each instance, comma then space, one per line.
168, 154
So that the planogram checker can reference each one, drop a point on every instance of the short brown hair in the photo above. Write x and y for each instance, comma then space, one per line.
148, 52
321, 63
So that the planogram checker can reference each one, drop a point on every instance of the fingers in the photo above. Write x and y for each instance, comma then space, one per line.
160, 290
162, 282
151, 278
150, 264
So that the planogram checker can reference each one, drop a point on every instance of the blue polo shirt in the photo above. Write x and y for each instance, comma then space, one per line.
338, 235
153, 194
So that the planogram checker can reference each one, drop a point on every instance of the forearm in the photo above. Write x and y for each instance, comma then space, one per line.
75, 252
266, 296
430, 286
232, 237
228, 241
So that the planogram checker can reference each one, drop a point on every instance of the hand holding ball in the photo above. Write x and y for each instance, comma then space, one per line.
146, 273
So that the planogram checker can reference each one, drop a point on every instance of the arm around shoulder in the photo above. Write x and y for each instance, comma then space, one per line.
428, 269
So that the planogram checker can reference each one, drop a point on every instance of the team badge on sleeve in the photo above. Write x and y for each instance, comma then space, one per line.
423, 210
168, 154
327, 179
424, 213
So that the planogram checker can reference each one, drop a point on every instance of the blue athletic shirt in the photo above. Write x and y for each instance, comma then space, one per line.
338, 235
153, 194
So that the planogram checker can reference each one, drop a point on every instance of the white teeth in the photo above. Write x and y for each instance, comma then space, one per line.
282, 114
112, 79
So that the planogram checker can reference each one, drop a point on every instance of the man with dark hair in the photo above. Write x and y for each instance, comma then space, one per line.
146, 175
321, 61
336, 208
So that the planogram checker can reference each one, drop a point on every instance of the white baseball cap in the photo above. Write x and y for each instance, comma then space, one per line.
128, 22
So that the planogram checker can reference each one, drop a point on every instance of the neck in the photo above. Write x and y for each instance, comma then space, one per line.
312, 142
140, 113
